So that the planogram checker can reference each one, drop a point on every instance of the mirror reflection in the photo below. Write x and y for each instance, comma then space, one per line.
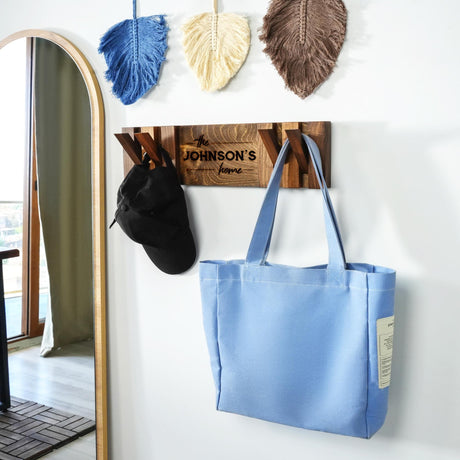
45, 212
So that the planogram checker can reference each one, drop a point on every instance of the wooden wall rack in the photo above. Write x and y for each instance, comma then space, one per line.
238, 155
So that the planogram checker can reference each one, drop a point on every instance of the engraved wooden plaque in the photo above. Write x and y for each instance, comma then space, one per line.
241, 155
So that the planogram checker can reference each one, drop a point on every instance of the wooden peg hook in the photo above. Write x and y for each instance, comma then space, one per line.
296, 142
298, 147
131, 147
270, 142
150, 146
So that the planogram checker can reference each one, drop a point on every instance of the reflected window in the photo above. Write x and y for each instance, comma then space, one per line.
25, 278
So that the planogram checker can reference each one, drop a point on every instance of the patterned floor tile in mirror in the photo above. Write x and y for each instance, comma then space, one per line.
29, 430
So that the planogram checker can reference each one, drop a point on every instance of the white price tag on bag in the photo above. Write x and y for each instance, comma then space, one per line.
385, 328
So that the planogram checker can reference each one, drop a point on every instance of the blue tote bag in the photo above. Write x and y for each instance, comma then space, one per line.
308, 347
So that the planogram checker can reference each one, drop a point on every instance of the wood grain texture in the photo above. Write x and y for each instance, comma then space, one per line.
150, 146
296, 141
129, 160
29, 430
270, 142
99, 243
65, 382
265, 160
291, 173
131, 146
218, 155
35, 328
30, 147
238, 155
320, 132
169, 137
155, 133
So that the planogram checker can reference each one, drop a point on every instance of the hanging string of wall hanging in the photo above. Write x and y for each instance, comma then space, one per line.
215, 46
303, 39
134, 51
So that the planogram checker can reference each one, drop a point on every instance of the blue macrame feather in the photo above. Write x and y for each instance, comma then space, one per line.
134, 51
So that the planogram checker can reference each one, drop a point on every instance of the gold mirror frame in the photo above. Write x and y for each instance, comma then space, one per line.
98, 224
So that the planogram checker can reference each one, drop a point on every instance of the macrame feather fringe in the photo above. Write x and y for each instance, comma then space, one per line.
303, 38
134, 51
215, 46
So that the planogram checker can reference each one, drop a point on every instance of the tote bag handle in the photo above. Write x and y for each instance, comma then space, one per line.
261, 238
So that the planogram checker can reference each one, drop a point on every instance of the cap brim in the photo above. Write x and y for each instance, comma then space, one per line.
177, 257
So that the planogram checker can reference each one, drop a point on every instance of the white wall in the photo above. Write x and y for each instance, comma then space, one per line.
393, 101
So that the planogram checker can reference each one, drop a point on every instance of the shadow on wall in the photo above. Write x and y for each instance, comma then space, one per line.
415, 215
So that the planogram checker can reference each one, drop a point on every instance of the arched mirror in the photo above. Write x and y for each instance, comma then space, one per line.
52, 208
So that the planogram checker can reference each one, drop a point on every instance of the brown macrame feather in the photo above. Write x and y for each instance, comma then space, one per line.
303, 39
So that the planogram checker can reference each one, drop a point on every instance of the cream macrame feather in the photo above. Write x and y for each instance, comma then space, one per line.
215, 46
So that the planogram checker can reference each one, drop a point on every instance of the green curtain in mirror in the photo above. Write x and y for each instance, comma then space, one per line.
63, 139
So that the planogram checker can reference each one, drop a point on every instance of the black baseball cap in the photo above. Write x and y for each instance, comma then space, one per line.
152, 211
